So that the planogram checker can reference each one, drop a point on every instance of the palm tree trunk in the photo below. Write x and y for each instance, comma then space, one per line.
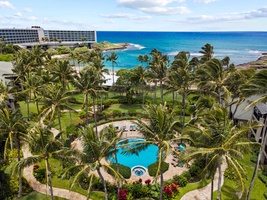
95, 115
172, 99
155, 92
256, 167
211, 188
86, 107
49, 177
112, 74
19, 158
59, 121
37, 103
69, 112
143, 95
161, 185
220, 178
103, 182
184, 107
28, 108
161, 91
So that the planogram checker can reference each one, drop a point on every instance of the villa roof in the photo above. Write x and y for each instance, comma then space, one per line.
262, 108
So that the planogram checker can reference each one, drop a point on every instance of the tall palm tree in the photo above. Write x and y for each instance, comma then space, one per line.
111, 134
13, 127
159, 131
139, 76
63, 73
42, 145
256, 85
96, 148
179, 79
55, 99
211, 79
207, 51
88, 82
112, 58
217, 137
158, 69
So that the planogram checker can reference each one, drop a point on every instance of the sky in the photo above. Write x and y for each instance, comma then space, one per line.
136, 15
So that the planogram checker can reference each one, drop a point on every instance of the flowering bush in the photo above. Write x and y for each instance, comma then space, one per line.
36, 167
147, 182
171, 190
122, 194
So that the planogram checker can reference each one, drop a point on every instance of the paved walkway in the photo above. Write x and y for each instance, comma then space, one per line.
205, 192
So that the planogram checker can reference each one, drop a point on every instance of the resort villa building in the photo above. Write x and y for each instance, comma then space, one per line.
257, 113
36, 35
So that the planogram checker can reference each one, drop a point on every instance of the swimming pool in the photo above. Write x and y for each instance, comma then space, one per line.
144, 158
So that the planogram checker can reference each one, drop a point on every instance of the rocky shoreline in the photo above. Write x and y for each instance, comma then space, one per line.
261, 63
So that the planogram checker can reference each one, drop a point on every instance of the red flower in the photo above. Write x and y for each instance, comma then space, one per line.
140, 180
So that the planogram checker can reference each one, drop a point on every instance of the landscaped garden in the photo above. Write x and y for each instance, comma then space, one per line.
186, 101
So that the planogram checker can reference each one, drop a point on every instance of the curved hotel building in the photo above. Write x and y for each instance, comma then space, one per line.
28, 37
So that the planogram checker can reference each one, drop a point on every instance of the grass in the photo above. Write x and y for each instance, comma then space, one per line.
229, 188
58, 182
191, 186
39, 196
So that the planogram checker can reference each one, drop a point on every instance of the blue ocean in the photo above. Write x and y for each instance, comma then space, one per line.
241, 47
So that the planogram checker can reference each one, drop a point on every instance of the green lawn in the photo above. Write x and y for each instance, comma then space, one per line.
35, 195
229, 187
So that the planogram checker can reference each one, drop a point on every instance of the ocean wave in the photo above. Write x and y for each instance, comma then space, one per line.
135, 47
254, 51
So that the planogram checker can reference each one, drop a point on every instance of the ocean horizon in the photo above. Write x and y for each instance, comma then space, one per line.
240, 46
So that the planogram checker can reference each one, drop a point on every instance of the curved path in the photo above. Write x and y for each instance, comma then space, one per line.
204, 193
43, 188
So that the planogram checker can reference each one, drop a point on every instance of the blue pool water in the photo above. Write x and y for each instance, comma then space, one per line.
144, 158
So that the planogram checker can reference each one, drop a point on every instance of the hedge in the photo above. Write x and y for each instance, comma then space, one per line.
123, 170
152, 169
263, 178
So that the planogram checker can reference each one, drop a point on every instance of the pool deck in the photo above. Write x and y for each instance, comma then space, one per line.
173, 168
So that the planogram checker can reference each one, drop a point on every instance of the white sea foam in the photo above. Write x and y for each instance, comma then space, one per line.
135, 47
254, 51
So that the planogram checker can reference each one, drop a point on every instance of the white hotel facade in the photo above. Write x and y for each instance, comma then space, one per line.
28, 37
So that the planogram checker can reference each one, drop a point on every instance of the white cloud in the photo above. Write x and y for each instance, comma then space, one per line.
27, 10
136, 4
166, 10
18, 14
205, 1
224, 17
6, 4
126, 16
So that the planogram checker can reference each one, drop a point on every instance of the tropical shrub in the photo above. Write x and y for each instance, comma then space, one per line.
181, 180
254, 158
265, 194
40, 175
264, 171
194, 170
123, 170
187, 175
116, 112
263, 178
152, 169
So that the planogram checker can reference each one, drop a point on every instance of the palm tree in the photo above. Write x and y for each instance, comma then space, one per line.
256, 85
13, 127
139, 76
207, 51
112, 58
31, 85
42, 145
111, 134
63, 73
96, 148
217, 137
159, 131
55, 99
158, 69
211, 79
88, 82
179, 79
